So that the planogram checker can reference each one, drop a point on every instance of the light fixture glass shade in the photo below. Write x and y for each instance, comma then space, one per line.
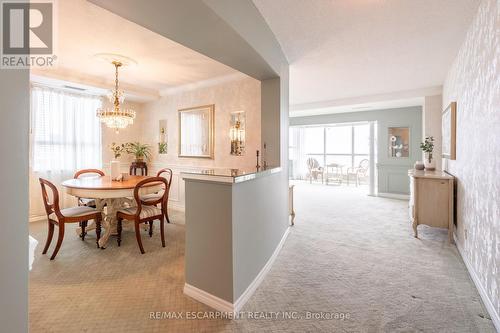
116, 117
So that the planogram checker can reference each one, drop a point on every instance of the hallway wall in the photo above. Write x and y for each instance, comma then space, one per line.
473, 82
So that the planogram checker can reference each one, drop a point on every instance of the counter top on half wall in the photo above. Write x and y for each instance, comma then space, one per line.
223, 175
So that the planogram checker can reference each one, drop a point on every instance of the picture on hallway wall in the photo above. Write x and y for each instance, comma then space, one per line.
399, 142
449, 128
196, 132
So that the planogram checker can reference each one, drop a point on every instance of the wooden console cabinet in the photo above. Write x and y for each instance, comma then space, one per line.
431, 200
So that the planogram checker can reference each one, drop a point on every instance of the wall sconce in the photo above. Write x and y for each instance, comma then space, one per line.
163, 138
237, 133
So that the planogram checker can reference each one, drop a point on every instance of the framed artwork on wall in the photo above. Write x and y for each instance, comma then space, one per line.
449, 131
196, 131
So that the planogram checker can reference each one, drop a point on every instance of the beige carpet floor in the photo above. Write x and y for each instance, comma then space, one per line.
350, 260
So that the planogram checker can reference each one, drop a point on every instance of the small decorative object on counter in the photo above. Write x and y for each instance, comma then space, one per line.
264, 162
419, 165
428, 147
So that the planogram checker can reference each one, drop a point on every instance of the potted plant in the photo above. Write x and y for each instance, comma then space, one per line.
139, 150
428, 147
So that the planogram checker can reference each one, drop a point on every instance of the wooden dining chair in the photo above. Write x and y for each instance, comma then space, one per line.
59, 217
86, 201
144, 213
155, 196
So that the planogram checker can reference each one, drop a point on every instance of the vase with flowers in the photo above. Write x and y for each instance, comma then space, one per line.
118, 150
428, 147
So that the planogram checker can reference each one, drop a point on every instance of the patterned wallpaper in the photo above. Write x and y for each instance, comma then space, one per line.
474, 82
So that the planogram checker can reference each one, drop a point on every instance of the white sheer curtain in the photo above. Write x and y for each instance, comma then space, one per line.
194, 134
66, 132
65, 136
297, 153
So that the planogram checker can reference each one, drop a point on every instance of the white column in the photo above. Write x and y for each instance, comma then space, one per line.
371, 190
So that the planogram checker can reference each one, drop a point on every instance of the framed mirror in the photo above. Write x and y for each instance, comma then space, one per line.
399, 142
196, 132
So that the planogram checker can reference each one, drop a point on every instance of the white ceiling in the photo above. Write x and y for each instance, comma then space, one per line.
347, 49
84, 29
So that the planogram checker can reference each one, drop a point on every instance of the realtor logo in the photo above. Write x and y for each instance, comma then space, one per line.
27, 34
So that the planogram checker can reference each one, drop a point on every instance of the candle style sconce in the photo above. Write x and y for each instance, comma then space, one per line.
237, 133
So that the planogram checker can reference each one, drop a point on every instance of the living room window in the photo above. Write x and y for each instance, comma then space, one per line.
65, 132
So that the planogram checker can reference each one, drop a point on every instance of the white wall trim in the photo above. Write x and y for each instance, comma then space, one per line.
208, 299
92, 85
394, 196
360, 100
495, 317
225, 306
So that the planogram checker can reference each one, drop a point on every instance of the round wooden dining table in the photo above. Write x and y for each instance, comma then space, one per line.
114, 195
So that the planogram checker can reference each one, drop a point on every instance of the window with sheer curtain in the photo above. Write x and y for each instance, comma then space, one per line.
344, 144
66, 134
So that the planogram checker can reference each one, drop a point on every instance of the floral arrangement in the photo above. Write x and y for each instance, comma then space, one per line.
428, 147
118, 150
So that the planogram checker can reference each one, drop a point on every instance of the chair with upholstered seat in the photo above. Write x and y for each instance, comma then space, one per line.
314, 170
144, 213
86, 201
155, 196
358, 172
59, 217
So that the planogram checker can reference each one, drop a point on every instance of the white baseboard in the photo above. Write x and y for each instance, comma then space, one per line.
225, 306
208, 299
394, 196
495, 317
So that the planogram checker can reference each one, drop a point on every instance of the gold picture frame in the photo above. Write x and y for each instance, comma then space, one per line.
196, 132
449, 132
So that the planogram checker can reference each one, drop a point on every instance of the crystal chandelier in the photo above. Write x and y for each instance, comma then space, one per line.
116, 117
